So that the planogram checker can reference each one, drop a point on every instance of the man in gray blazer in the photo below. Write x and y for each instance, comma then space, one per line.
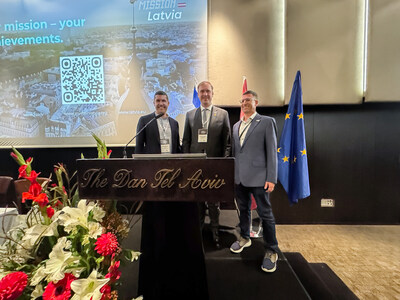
255, 151
207, 130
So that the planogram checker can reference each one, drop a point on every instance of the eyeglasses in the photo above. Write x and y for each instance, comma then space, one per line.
245, 100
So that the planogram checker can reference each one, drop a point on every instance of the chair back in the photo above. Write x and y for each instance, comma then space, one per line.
6, 191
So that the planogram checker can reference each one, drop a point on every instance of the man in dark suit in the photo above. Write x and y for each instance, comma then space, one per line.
207, 130
255, 152
172, 260
161, 135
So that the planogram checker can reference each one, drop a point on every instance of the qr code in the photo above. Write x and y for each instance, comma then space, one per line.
82, 79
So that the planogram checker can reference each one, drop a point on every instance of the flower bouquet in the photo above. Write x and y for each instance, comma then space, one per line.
64, 247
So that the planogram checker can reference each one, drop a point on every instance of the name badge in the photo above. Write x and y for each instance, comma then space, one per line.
165, 146
202, 135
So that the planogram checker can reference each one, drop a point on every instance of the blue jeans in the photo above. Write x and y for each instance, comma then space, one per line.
264, 210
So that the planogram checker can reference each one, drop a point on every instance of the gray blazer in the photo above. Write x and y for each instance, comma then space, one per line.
219, 133
256, 160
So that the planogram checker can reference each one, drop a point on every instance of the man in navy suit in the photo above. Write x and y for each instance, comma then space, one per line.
172, 260
255, 152
207, 130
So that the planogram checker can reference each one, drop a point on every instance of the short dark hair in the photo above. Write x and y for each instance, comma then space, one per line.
212, 88
250, 92
162, 93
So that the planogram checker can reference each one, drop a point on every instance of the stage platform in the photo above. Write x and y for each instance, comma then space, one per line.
239, 276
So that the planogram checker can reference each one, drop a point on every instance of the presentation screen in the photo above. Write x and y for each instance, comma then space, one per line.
71, 68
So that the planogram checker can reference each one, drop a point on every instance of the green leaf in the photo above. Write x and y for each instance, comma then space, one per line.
20, 159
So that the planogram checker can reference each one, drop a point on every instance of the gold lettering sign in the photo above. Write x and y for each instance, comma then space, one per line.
163, 178
93, 178
122, 178
196, 182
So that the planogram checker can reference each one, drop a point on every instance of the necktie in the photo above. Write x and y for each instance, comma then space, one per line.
205, 117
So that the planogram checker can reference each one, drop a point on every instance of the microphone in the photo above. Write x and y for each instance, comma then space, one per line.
140, 131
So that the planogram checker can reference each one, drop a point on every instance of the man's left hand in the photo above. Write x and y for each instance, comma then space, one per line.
269, 186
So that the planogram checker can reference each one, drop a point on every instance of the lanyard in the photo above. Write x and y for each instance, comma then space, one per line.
164, 126
244, 129
204, 117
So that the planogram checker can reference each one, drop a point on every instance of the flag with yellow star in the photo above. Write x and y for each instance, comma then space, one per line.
292, 150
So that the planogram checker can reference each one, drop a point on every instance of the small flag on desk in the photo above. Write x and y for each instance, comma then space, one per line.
292, 151
196, 100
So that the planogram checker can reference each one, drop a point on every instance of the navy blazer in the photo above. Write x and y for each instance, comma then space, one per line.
148, 142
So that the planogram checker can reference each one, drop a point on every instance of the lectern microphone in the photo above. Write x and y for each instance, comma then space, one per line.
140, 131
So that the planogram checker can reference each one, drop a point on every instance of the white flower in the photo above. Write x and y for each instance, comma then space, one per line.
98, 213
38, 276
88, 288
59, 260
72, 217
32, 234
37, 292
95, 230
134, 255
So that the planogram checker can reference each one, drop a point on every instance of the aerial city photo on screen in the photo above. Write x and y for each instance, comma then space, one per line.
73, 68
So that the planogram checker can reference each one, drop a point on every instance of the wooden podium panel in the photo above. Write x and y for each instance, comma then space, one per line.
172, 261
174, 178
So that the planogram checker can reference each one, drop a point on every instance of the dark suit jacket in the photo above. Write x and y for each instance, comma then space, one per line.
148, 142
256, 160
219, 133
172, 259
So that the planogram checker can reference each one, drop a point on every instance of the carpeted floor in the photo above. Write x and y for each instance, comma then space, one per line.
366, 258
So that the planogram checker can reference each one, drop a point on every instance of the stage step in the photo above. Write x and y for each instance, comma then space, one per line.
318, 279
239, 276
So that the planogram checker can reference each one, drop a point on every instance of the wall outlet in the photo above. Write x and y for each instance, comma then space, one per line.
327, 202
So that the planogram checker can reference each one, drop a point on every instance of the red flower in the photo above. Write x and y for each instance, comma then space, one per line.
32, 177
109, 153
106, 291
41, 199
29, 160
50, 211
106, 244
113, 273
13, 155
22, 171
60, 290
35, 189
12, 285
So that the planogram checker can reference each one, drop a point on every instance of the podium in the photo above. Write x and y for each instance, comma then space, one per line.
172, 262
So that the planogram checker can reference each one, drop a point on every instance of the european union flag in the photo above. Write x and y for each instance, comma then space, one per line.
196, 100
292, 151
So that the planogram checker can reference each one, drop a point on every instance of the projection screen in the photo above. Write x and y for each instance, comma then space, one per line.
72, 68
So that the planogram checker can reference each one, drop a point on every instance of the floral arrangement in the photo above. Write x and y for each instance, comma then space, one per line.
64, 247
